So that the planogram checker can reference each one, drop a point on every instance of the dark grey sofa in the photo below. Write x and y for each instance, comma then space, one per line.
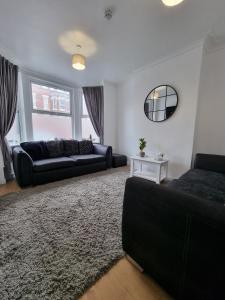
176, 233
41, 162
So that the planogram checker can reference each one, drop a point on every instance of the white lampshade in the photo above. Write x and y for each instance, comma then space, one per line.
172, 2
78, 62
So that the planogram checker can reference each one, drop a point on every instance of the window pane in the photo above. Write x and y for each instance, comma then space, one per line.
87, 130
50, 99
47, 126
84, 107
13, 137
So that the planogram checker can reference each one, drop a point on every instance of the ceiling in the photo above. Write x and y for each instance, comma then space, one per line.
42, 34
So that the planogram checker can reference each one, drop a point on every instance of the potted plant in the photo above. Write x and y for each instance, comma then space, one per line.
142, 145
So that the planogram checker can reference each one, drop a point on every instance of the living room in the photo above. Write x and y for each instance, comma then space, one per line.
112, 161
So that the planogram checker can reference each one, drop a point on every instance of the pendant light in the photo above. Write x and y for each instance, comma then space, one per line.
78, 61
172, 2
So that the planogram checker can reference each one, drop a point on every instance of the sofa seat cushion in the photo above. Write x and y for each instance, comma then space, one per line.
205, 184
211, 179
87, 159
52, 164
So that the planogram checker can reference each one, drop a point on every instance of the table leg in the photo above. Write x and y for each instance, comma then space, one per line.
158, 175
166, 166
131, 167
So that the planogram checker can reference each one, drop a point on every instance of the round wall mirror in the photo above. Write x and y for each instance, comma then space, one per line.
161, 103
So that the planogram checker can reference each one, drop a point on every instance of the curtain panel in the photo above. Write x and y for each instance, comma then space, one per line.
8, 106
94, 98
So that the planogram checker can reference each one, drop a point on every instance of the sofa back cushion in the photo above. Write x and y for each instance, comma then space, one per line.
71, 147
55, 148
36, 150
210, 162
86, 147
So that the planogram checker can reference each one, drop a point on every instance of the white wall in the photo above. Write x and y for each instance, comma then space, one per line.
175, 136
110, 115
210, 125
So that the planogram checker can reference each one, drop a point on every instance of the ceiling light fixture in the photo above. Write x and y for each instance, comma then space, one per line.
156, 95
78, 61
172, 2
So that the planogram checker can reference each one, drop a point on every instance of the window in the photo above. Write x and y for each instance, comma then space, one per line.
34, 101
86, 125
51, 113
54, 103
13, 137
62, 104
46, 102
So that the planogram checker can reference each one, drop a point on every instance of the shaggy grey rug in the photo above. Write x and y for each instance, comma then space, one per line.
58, 239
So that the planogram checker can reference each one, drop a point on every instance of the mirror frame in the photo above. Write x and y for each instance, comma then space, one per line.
167, 85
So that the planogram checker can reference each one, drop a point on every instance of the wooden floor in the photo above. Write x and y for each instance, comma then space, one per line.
125, 282
10, 187
122, 282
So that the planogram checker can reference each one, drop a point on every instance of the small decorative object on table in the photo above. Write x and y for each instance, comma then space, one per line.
119, 160
160, 156
142, 145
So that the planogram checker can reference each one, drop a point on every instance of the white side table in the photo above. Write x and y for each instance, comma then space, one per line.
155, 170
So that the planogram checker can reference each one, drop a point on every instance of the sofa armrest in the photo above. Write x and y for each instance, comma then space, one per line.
210, 162
23, 166
171, 234
106, 151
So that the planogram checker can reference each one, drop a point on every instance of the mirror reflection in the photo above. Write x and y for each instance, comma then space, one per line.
161, 103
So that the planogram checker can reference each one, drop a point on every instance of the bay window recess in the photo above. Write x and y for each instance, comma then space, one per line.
49, 111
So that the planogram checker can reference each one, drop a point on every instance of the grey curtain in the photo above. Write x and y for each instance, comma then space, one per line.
94, 98
8, 105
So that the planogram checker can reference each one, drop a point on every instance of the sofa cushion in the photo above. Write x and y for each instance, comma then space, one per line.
210, 162
55, 148
52, 164
205, 184
209, 178
71, 147
86, 147
36, 150
87, 159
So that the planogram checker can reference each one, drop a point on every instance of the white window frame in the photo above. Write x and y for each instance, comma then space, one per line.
34, 96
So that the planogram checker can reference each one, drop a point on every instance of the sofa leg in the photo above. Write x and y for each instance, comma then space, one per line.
131, 260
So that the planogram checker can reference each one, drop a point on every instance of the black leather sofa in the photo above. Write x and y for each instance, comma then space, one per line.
176, 233
41, 162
